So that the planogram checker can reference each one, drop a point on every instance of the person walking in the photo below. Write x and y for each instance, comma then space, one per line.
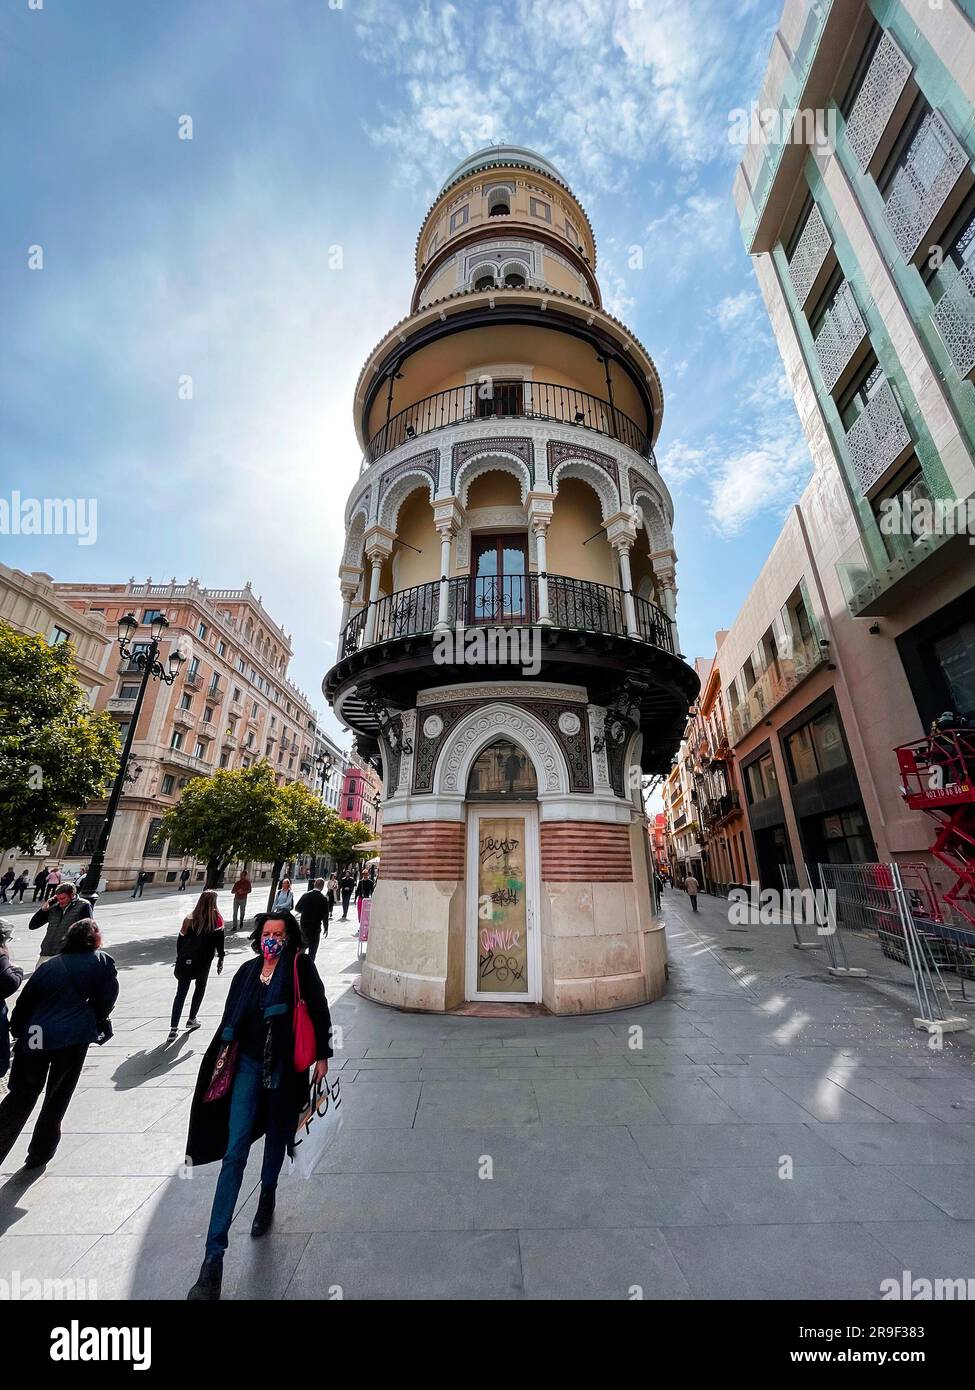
312, 910
61, 913
347, 888
241, 891
51, 883
363, 890
200, 937
255, 1048
20, 887
11, 978
692, 888
184, 878
333, 893
40, 882
66, 1005
284, 899
5, 882
140, 884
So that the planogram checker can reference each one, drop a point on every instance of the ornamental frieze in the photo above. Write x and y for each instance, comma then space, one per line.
428, 463
521, 448
558, 451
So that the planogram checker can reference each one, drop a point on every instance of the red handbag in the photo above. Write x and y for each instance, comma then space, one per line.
223, 1072
306, 1044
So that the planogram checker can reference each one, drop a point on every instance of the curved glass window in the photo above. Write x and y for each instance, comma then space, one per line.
502, 772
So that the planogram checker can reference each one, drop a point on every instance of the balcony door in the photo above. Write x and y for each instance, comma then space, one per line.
499, 580
506, 399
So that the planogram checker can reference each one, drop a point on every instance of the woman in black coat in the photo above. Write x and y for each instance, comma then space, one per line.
255, 1048
62, 1010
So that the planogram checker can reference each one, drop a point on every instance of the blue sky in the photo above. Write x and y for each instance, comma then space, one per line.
319, 124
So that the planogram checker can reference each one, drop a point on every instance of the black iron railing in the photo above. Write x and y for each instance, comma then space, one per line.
574, 604
528, 400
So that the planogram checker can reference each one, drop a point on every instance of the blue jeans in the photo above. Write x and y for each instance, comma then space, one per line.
244, 1101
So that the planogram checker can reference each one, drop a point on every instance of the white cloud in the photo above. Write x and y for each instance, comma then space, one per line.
734, 307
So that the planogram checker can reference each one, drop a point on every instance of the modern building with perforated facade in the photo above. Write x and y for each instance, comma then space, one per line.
861, 628
508, 646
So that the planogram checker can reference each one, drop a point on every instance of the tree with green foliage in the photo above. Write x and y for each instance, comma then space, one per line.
343, 838
302, 825
233, 814
56, 754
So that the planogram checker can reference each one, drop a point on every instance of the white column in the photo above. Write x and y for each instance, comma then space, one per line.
541, 530
629, 608
376, 560
443, 610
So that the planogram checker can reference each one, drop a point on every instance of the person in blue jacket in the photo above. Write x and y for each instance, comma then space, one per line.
62, 1010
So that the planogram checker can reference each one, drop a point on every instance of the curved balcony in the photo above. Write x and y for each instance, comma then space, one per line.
529, 400
573, 604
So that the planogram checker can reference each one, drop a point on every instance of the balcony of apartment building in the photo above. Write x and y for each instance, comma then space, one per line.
775, 683
215, 689
876, 434
176, 757
118, 704
193, 680
510, 400
184, 718
207, 729
559, 601
229, 741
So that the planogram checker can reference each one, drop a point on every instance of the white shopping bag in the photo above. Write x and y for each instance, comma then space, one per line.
318, 1126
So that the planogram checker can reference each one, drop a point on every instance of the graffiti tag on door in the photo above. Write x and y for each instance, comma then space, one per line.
502, 954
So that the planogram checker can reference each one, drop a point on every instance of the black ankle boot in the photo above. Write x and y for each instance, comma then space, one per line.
265, 1212
207, 1287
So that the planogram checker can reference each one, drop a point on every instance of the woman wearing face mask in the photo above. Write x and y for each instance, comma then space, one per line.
248, 1085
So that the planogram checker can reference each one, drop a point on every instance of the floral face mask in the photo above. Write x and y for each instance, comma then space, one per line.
272, 946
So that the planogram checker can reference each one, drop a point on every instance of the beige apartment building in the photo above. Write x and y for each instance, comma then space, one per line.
861, 627
231, 705
30, 603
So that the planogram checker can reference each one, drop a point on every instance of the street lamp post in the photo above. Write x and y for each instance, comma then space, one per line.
324, 764
150, 665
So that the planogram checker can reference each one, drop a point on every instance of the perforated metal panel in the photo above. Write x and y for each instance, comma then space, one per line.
877, 437
954, 316
842, 333
931, 169
882, 87
812, 248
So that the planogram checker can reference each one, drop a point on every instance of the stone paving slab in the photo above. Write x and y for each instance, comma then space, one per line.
539, 1158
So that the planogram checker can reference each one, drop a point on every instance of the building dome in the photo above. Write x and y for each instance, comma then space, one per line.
508, 155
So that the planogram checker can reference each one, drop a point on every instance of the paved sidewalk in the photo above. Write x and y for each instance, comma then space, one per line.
770, 1133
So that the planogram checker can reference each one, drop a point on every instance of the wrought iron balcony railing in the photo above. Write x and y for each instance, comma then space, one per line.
528, 400
575, 604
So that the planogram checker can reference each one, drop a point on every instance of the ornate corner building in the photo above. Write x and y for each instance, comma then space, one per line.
508, 645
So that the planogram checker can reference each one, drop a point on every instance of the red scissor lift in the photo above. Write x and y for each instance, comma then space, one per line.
938, 778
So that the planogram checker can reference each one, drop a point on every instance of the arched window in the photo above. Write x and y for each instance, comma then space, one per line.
485, 281
502, 772
499, 203
514, 281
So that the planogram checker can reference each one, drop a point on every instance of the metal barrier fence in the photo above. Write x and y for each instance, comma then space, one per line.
894, 904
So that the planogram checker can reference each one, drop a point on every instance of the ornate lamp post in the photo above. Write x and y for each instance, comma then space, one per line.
324, 764
150, 665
